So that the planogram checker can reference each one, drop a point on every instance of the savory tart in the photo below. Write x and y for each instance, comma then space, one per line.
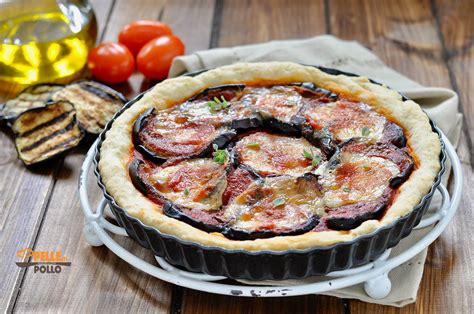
269, 156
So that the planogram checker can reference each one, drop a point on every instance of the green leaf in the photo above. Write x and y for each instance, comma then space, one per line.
347, 190
316, 160
278, 201
220, 155
186, 191
307, 154
365, 131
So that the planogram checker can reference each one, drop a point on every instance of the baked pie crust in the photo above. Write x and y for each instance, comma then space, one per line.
117, 150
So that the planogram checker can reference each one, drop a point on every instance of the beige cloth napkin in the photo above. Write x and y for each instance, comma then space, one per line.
441, 105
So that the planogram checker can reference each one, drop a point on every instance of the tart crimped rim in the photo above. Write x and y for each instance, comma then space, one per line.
115, 150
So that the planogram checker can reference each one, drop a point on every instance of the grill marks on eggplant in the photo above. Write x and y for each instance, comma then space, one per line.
315, 161
95, 103
45, 132
32, 97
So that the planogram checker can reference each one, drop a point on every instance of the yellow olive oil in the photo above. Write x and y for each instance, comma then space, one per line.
45, 46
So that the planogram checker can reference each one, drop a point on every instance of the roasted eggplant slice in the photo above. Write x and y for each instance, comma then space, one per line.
277, 206
162, 135
358, 181
331, 123
32, 97
190, 190
271, 154
45, 132
277, 105
351, 216
95, 103
219, 106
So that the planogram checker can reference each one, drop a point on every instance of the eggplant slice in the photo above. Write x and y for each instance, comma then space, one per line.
220, 106
32, 97
163, 135
95, 103
272, 154
43, 133
359, 180
332, 123
276, 206
190, 190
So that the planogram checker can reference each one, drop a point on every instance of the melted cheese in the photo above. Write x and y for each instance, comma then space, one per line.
275, 154
255, 209
356, 179
200, 183
347, 120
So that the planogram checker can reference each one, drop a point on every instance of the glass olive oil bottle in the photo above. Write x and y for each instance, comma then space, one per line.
44, 40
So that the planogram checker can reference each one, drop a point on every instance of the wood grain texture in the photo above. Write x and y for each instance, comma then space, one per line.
408, 41
456, 27
97, 280
253, 21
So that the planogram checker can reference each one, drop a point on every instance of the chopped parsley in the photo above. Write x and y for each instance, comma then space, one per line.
315, 158
365, 131
186, 191
278, 201
347, 190
220, 155
218, 104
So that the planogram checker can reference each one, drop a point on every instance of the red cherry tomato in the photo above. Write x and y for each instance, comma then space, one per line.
111, 62
135, 35
154, 59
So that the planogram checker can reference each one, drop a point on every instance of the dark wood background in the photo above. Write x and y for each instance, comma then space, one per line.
428, 41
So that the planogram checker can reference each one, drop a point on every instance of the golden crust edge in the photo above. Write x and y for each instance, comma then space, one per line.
116, 147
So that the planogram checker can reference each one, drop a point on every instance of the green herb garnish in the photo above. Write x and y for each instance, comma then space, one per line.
278, 202
315, 158
186, 191
253, 145
365, 131
220, 155
347, 190
217, 104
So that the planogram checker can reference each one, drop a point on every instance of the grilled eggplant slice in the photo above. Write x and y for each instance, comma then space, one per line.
351, 216
276, 206
45, 132
32, 97
271, 154
163, 135
277, 105
95, 103
331, 123
219, 106
359, 180
190, 190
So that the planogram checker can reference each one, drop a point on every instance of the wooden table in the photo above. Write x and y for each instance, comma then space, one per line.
428, 41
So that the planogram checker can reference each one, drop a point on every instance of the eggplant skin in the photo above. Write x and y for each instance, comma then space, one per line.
221, 140
392, 133
351, 216
35, 96
134, 172
43, 133
174, 211
212, 92
235, 234
95, 103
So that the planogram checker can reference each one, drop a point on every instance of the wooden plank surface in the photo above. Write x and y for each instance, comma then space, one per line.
98, 280
428, 41
409, 41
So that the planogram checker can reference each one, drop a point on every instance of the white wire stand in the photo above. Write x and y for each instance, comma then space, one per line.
374, 275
